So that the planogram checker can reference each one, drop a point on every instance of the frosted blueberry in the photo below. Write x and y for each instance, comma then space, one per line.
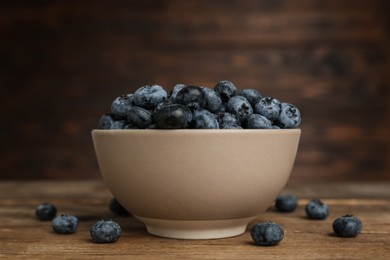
176, 90
347, 226
252, 95
45, 211
267, 233
192, 97
172, 116
149, 96
121, 105
316, 209
225, 89
256, 121
289, 117
65, 224
203, 119
139, 117
239, 106
213, 101
227, 118
108, 121
268, 107
286, 203
105, 231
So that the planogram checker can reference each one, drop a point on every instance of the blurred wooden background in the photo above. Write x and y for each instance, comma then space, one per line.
63, 62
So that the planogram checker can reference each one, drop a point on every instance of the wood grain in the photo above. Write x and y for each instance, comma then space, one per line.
23, 236
63, 62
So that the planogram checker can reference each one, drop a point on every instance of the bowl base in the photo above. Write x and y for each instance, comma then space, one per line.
196, 229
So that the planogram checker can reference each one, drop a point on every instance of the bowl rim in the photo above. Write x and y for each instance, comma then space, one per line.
194, 131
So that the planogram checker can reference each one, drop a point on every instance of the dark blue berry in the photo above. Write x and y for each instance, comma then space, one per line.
268, 107
316, 209
65, 224
139, 117
149, 96
45, 211
227, 118
172, 116
191, 96
225, 89
213, 101
289, 117
105, 231
347, 226
267, 233
117, 208
108, 121
252, 95
121, 105
176, 90
203, 119
239, 106
286, 203
256, 121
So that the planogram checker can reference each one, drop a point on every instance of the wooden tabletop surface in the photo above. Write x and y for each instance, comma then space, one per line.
23, 236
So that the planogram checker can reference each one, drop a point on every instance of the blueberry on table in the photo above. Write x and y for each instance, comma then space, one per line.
316, 209
149, 96
268, 107
239, 106
347, 226
65, 224
121, 105
267, 233
45, 211
105, 231
172, 116
252, 95
139, 117
117, 208
256, 121
213, 101
290, 116
203, 119
225, 89
286, 203
191, 96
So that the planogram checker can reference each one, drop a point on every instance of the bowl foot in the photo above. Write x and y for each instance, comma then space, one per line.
196, 229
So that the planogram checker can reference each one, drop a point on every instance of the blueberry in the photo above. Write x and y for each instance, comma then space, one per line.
149, 96
192, 97
108, 121
252, 95
130, 126
121, 105
225, 89
286, 203
65, 224
256, 121
289, 117
268, 107
117, 208
267, 233
176, 90
316, 209
45, 211
347, 226
105, 231
203, 119
239, 106
172, 116
139, 117
227, 118
213, 101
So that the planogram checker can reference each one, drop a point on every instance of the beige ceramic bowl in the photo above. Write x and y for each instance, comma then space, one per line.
196, 184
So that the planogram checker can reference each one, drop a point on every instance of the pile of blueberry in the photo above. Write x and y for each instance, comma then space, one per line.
194, 107
270, 233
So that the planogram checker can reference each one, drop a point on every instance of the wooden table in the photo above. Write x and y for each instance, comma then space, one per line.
22, 235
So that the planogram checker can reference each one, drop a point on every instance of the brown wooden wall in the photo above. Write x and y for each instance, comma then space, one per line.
63, 62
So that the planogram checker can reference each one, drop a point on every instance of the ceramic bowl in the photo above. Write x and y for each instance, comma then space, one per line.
196, 184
